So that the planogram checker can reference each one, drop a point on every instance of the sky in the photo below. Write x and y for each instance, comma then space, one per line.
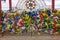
5, 5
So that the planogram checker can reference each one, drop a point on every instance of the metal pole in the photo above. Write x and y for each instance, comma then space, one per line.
10, 4
0, 6
53, 4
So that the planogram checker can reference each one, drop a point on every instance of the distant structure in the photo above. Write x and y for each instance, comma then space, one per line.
28, 6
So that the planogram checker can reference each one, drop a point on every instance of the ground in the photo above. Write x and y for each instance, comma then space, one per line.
30, 38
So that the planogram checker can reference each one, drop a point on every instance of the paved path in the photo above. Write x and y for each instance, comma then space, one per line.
30, 38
